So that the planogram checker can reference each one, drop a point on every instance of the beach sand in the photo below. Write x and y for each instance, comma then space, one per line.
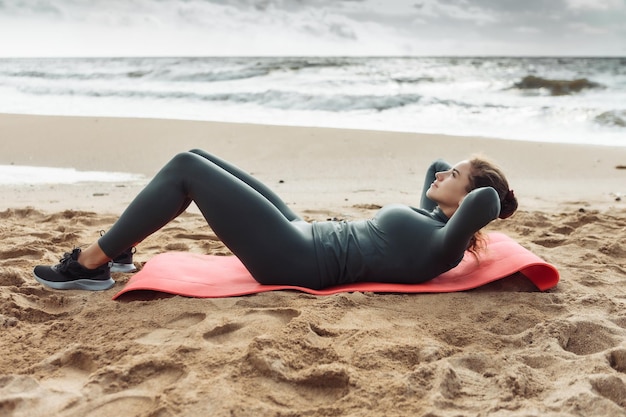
505, 349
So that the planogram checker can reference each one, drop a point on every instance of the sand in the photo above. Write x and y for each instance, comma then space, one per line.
505, 349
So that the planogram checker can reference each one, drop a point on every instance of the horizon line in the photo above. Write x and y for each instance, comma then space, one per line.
311, 56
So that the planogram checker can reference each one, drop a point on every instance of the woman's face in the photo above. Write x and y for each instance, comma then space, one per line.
450, 187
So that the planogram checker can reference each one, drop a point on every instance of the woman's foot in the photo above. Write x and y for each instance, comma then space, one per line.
69, 274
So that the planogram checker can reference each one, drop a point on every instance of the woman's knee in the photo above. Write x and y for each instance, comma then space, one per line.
183, 161
182, 167
197, 151
181, 158
207, 156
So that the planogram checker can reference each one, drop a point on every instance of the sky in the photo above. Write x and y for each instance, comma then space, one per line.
45, 28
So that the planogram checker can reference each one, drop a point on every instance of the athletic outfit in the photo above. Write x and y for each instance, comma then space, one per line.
400, 244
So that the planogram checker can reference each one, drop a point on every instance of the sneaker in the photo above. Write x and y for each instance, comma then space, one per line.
70, 275
124, 261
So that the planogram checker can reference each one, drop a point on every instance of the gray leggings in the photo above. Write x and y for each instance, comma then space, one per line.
274, 244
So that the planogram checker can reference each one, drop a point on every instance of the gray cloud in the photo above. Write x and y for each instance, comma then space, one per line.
442, 27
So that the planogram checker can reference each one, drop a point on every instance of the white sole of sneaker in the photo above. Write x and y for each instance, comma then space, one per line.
79, 284
117, 267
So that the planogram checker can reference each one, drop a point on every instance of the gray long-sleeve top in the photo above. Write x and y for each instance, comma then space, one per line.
402, 244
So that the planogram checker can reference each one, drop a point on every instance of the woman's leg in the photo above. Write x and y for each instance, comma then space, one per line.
248, 221
93, 256
252, 182
248, 179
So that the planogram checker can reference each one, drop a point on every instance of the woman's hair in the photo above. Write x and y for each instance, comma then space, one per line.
484, 173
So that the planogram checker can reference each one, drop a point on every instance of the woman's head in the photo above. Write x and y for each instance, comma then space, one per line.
484, 173
450, 187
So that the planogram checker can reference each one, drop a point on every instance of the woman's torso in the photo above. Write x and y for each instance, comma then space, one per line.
400, 244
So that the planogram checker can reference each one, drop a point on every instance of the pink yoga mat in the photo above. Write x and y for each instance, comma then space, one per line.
209, 276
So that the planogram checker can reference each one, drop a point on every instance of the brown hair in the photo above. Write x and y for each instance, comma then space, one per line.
484, 173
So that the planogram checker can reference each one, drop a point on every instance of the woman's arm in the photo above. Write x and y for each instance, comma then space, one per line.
477, 209
437, 166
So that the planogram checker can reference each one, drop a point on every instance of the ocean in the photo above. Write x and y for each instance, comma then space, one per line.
560, 99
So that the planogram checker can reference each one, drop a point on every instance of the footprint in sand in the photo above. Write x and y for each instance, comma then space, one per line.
278, 361
73, 389
612, 388
513, 323
186, 320
586, 338
75, 357
322, 384
24, 396
322, 332
128, 405
38, 305
15, 393
68, 371
222, 333
617, 360
170, 334
22, 252
254, 323
144, 376
293, 371
314, 386
10, 277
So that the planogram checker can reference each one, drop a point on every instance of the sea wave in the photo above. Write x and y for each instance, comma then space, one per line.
473, 95
44, 75
286, 100
613, 118
221, 75
167, 69
261, 68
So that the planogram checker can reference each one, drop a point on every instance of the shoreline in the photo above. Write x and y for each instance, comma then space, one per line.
304, 126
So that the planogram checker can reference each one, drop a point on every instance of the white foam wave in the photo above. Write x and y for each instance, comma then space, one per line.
21, 175
466, 96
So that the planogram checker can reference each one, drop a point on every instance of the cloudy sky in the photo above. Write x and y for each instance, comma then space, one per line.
311, 27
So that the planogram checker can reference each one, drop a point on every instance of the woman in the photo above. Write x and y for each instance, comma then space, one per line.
400, 244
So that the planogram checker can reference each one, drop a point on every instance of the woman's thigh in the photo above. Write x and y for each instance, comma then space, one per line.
274, 249
253, 182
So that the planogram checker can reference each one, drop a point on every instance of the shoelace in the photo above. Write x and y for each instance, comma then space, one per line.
64, 262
